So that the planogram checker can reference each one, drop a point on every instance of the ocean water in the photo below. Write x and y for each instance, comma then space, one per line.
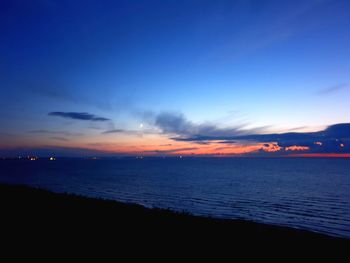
306, 193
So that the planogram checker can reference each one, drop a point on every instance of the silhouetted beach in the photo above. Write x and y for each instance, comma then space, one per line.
26, 211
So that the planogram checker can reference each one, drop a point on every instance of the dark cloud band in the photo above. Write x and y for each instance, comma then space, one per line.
84, 116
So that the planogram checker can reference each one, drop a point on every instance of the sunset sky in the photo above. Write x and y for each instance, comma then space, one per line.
256, 78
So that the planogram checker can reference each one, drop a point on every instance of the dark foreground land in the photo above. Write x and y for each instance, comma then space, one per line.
28, 213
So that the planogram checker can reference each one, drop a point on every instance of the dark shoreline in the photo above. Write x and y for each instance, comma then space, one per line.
25, 209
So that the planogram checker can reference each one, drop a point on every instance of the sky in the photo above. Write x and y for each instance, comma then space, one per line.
217, 78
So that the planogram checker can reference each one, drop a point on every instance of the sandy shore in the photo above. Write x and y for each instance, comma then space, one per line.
27, 211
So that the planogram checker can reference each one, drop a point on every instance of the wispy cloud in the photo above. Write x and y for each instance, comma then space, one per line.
138, 132
84, 116
176, 150
5, 134
115, 131
64, 133
179, 127
59, 139
333, 89
54, 89
287, 24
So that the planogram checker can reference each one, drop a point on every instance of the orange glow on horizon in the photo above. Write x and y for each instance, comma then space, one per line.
161, 145
170, 147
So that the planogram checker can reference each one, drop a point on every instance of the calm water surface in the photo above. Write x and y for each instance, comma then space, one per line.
305, 193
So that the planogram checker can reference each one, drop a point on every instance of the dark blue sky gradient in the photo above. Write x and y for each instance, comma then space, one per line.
267, 66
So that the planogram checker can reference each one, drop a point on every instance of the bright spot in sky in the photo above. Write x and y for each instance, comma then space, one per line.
141, 125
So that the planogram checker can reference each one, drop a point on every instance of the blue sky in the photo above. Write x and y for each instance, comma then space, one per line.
277, 65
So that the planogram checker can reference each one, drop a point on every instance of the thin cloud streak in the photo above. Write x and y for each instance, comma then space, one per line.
83, 116
176, 150
114, 131
125, 131
60, 139
65, 133
333, 89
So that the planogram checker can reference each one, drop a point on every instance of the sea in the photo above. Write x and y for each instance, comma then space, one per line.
304, 193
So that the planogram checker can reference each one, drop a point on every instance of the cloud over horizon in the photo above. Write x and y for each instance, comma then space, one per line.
334, 139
